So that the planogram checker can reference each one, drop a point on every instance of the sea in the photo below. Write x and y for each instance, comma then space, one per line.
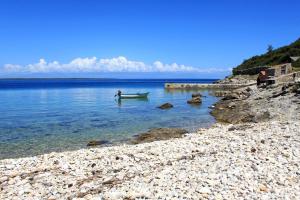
40, 116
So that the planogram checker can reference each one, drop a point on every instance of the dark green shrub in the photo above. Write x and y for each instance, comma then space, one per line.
296, 64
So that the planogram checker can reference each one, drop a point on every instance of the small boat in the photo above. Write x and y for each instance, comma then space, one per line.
134, 96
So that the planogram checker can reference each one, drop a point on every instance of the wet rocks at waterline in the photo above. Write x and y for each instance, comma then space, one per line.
97, 143
159, 134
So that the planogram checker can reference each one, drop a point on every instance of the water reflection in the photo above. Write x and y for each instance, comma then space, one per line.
121, 101
182, 91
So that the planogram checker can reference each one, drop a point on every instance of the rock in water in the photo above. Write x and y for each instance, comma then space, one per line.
195, 100
196, 95
166, 106
159, 134
97, 142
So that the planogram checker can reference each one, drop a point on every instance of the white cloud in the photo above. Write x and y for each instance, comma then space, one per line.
12, 68
121, 64
93, 64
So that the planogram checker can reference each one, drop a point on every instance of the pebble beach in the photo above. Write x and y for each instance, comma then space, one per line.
223, 162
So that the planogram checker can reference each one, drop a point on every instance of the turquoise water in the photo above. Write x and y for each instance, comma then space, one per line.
41, 116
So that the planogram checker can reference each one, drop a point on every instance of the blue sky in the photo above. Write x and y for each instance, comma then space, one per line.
188, 38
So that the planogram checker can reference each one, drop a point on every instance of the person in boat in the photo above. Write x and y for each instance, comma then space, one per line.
119, 93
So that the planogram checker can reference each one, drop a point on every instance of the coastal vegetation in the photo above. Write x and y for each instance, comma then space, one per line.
296, 65
272, 57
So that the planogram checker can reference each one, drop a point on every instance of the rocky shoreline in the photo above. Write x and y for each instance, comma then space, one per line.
254, 155
252, 104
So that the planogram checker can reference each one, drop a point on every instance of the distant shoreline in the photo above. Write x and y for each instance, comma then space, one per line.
109, 79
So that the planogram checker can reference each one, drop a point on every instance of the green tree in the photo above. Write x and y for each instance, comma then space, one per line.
270, 48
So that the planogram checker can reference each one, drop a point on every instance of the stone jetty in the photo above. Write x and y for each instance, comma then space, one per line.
191, 86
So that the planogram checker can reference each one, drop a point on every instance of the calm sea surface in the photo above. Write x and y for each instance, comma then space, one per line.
41, 116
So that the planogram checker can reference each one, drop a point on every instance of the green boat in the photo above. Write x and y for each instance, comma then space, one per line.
134, 96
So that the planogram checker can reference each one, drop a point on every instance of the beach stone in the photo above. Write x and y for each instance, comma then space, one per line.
263, 188
195, 100
205, 190
166, 106
231, 105
248, 89
261, 117
10, 167
115, 195
56, 162
159, 134
253, 150
52, 197
3, 179
97, 142
232, 128
218, 197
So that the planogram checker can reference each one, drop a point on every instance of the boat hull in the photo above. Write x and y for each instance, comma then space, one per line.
134, 96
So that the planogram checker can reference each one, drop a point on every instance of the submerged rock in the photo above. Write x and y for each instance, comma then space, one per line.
159, 134
97, 142
195, 100
165, 106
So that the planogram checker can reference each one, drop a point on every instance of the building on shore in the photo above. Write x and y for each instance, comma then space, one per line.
279, 70
277, 73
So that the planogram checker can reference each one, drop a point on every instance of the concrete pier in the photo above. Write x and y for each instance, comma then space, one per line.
187, 86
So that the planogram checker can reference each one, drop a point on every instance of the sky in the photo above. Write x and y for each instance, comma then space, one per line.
139, 38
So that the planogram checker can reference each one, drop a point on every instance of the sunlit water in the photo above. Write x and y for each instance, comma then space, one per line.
40, 116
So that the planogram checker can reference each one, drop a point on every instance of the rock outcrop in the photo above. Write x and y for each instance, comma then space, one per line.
226, 111
254, 104
195, 100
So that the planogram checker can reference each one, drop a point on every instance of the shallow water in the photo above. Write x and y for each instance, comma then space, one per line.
40, 116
